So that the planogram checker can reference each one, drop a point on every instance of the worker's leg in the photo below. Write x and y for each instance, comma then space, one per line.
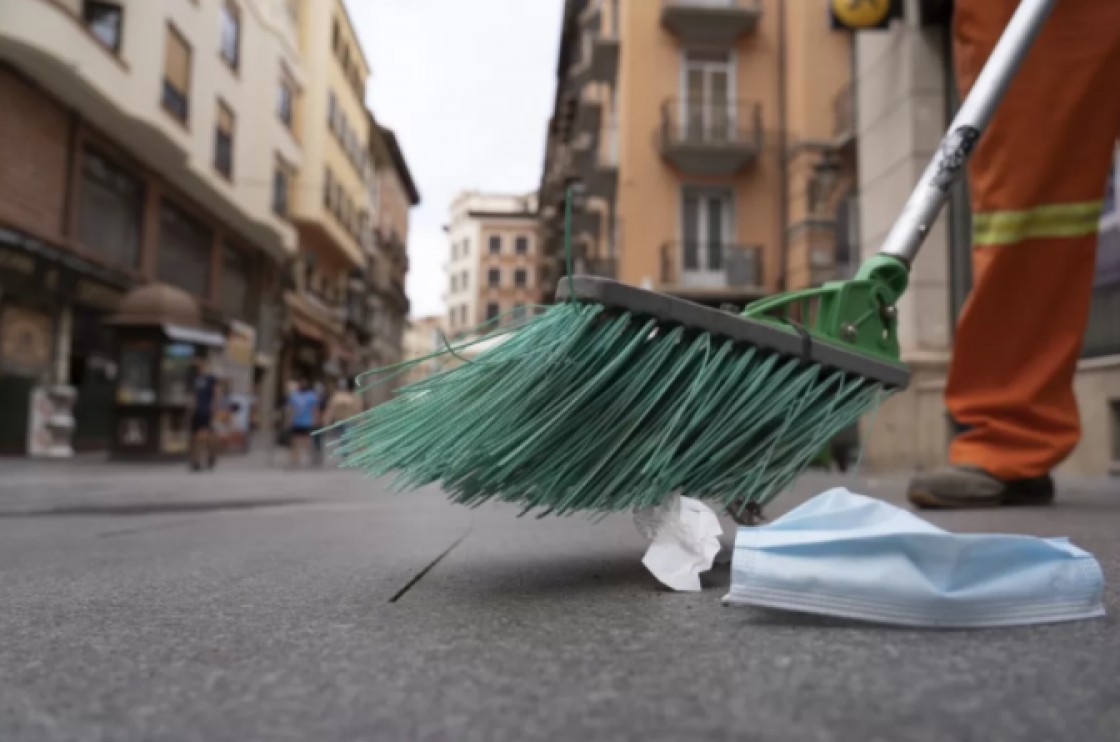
1036, 178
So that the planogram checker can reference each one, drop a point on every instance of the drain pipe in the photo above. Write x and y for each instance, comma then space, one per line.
783, 165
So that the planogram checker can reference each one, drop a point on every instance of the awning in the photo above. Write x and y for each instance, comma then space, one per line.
194, 335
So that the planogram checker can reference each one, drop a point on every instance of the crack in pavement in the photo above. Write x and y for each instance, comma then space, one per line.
431, 565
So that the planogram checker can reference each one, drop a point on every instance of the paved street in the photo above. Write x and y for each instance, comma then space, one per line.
254, 603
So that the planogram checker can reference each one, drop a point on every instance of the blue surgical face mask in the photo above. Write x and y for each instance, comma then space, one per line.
843, 554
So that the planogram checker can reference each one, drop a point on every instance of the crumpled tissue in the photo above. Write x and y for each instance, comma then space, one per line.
843, 554
685, 534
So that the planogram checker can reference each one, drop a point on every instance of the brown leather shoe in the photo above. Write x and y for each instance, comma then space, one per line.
972, 487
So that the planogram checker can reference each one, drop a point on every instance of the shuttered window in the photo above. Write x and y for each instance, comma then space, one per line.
185, 245
177, 75
236, 265
223, 141
109, 217
230, 40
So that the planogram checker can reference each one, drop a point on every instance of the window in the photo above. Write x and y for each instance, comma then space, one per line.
494, 277
519, 312
223, 141
492, 311
463, 279
236, 269
281, 185
229, 45
184, 251
707, 229
110, 212
709, 110
285, 99
466, 248
328, 188
521, 246
104, 21
177, 75
495, 245
335, 36
454, 251
332, 112
520, 278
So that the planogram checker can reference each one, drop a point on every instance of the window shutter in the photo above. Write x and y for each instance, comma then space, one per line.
177, 63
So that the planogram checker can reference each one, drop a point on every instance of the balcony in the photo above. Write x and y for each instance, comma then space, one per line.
701, 137
712, 273
710, 21
603, 268
586, 223
589, 118
598, 59
600, 175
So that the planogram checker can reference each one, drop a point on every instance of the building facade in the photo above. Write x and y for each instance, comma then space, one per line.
694, 129
139, 142
493, 273
328, 318
395, 194
423, 337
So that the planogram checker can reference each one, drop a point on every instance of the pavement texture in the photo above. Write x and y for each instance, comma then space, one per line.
253, 603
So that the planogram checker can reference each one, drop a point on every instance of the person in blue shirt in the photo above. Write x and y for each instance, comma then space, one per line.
303, 417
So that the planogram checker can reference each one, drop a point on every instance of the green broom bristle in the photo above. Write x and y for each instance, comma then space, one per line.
584, 409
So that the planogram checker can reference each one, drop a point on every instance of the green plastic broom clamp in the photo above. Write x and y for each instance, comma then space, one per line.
859, 313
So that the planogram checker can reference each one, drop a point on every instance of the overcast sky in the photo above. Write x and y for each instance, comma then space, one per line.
467, 86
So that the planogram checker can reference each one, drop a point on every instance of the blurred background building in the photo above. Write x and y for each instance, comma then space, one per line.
493, 274
424, 337
220, 148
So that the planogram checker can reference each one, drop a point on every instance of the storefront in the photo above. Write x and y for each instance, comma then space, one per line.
52, 307
159, 335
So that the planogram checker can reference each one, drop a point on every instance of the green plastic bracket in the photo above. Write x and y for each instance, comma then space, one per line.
859, 313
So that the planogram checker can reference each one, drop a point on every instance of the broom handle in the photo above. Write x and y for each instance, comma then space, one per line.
924, 204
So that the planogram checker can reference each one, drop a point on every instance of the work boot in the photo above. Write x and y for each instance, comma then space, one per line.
972, 487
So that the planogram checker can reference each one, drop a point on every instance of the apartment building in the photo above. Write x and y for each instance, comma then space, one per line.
328, 315
423, 337
493, 274
139, 142
693, 129
395, 194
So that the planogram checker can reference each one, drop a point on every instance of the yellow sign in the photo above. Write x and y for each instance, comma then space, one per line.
862, 14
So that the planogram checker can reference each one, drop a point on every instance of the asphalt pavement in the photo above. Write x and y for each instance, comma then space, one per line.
254, 603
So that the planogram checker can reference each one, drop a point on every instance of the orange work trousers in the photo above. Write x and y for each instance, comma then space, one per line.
1037, 179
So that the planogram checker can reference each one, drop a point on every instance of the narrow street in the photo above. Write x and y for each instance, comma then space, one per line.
144, 603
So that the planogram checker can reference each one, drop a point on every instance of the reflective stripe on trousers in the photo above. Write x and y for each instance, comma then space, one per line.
1051, 220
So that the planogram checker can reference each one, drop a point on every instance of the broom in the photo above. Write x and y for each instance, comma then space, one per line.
616, 397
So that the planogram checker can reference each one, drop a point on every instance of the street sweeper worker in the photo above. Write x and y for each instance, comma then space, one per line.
1036, 180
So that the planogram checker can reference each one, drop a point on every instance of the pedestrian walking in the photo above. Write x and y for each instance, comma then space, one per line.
303, 415
204, 392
